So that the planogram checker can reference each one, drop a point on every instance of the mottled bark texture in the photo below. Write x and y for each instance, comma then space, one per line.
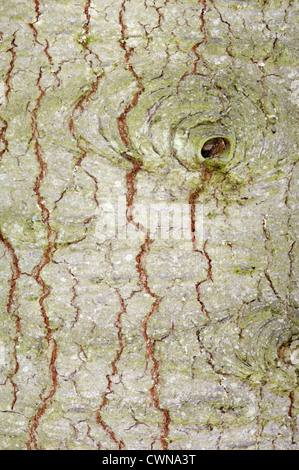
148, 342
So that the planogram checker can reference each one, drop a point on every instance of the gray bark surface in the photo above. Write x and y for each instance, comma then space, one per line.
130, 339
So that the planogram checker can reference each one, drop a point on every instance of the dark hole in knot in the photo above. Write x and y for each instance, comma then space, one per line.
214, 147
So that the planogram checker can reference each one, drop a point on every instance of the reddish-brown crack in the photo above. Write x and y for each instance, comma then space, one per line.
11, 66
204, 31
192, 204
290, 411
74, 298
78, 111
88, 17
208, 278
86, 33
32, 443
194, 70
154, 390
82, 102
100, 421
109, 377
122, 119
117, 324
16, 273
95, 198
88, 433
203, 28
46, 51
35, 32
165, 64
58, 81
122, 125
150, 343
160, 17
44, 261
140, 268
231, 35
3, 138
79, 107
158, 26
37, 16
43, 166
292, 416
131, 191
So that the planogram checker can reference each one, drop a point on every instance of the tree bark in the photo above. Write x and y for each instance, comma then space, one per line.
115, 115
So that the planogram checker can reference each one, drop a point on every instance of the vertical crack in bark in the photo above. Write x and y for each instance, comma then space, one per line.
210, 360
109, 377
198, 57
11, 65
230, 33
289, 212
88, 17
77, 112
86, 32
160, 19
203, 349
192, 204
84, 99
122, 119
74, 298
292, 417
290, 410
34, 423
44, 261
46, 51
88, 433
100, 420
95, 198
118, 325
3, 138
208, 278
259, 423
291, 273
266, 270
11, 310
7, 93
203, 28
35, 32
37, 16
150, 343
131, 191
